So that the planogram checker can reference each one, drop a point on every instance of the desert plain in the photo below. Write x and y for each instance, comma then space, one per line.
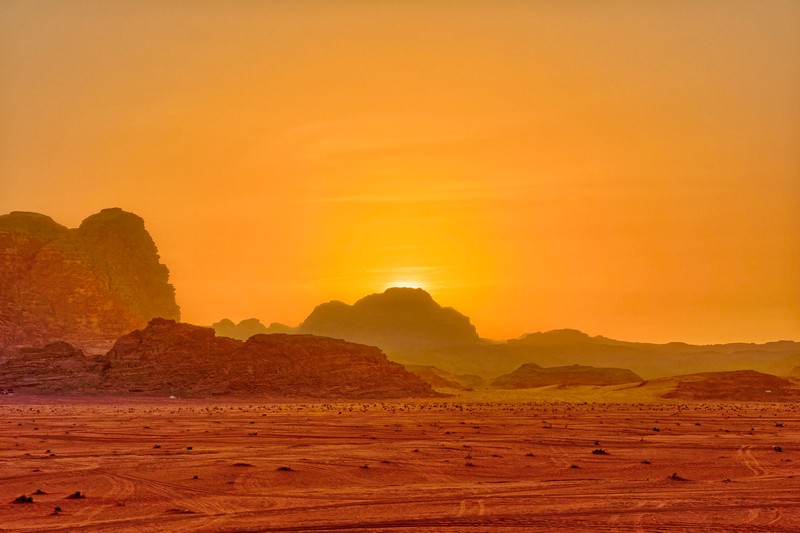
524, 460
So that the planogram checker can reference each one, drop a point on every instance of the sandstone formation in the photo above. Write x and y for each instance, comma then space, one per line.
169, 358
739, 385
86, 286
531, 375
55, 368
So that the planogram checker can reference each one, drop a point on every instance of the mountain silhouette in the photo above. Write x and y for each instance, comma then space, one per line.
398, 320
416, 331
247, 328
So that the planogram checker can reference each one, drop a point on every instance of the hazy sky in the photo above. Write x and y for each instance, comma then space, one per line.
630, 169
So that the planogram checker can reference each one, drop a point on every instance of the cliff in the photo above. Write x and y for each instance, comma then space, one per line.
55, 368
86, 286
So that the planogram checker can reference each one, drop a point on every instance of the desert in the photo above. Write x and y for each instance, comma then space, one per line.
454, 464
334, 425
399, 266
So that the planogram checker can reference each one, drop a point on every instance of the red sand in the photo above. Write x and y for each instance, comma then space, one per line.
396, 466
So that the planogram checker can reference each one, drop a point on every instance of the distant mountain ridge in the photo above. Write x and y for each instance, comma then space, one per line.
440, 379
415, 330
247, 328
648, 359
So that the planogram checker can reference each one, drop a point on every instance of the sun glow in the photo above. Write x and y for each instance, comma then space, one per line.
409, 284
530, 166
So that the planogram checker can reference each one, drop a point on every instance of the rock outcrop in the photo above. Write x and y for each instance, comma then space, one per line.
531, 375
56, 368
397, 320
86, 286
172, 358
739, 385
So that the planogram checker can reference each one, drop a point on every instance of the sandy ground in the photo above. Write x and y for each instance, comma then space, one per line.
460, 464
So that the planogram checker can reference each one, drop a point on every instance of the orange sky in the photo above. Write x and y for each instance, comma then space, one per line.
629, 169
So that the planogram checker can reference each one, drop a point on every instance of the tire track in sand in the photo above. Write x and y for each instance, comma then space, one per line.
745, 455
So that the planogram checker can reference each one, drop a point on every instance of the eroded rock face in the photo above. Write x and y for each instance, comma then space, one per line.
181, 359
86, 286
169, 358
532, 375
56, 368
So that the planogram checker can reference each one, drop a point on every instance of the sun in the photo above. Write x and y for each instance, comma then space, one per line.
406, 283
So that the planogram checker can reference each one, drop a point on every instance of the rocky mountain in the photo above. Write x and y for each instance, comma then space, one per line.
397, 320
247, 328
531, 375
171, 358
414, 330
86, 286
